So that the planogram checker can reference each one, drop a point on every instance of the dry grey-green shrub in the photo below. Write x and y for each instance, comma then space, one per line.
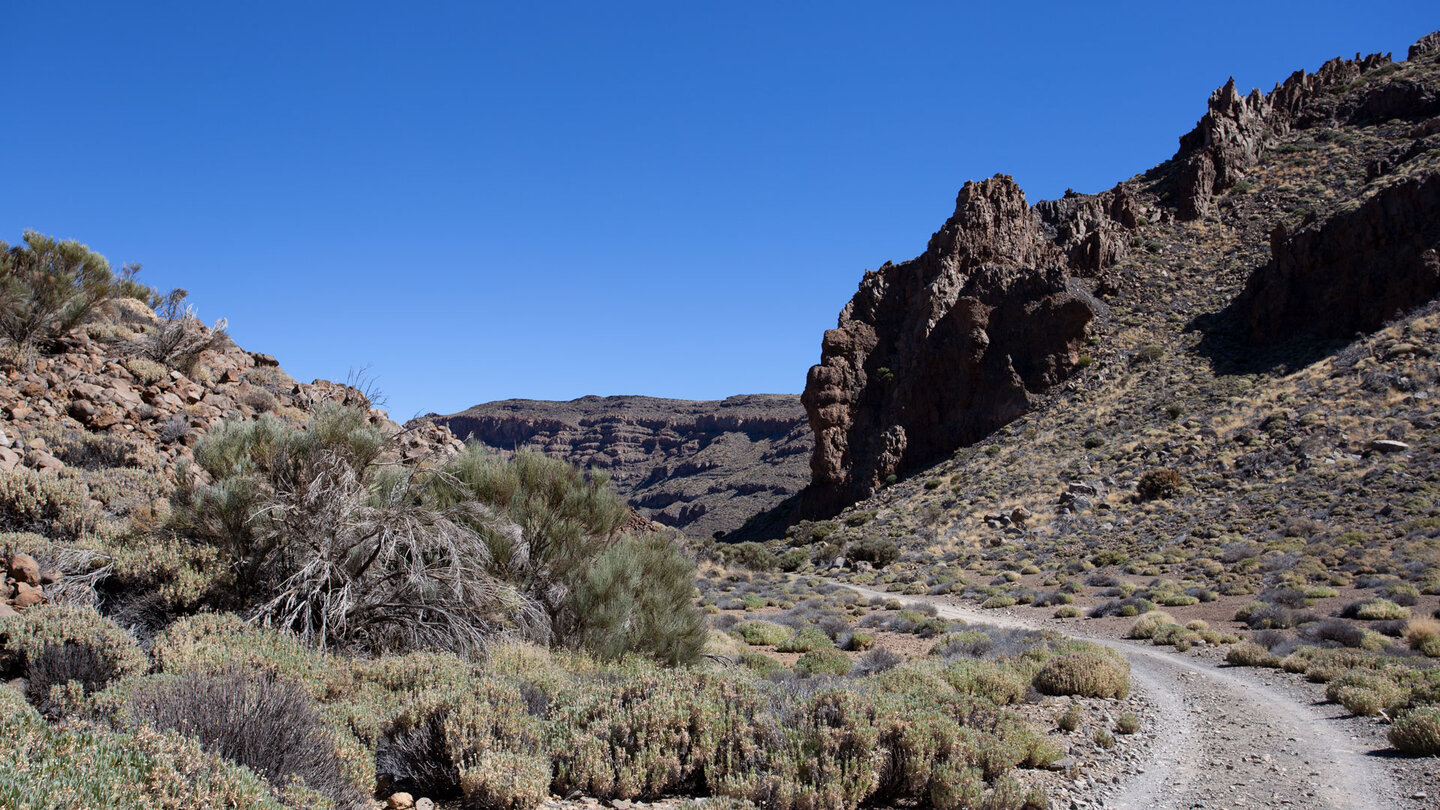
44, 504
320, 540
251, 716
53, 646
1417, 732
597, 586
48, 287
1085, 674
179, 340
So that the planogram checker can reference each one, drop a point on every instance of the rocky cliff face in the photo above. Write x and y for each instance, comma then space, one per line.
704, 467
1351, 273
938, 351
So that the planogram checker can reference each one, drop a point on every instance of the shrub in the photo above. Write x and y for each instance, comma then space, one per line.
48, 287
37, 502
1250, 654
754, 556
860, 641
637, 598
58, 645
502, 780
1067, 612
1423, 635
567, 521
67, 765
1380, 610
319, 546
793, 559
1127, 723
876, 661
879, 551
325, 542
761, 633
255, 718
1158, 483
1070, 720
1146, 626
823, 661
146, 371
1417, 732
180, 340
805, 640
1084, 674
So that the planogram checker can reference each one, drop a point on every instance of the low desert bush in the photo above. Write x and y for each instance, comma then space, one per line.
179, 340
1158, 483
1250, 654
59, 645
761, 633
1423, 636
1071, 718
823, 661
1147, 625
879, 551
1127, 723
44, 504
1417, 732
253, 717
1101, 675
1375, 610
805, 640
71, 765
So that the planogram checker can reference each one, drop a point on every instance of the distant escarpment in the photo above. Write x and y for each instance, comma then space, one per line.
937, 352
703, 467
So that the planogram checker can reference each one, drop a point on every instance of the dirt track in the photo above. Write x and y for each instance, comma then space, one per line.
1227, 738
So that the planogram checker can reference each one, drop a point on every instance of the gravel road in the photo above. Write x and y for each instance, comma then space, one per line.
1225, 737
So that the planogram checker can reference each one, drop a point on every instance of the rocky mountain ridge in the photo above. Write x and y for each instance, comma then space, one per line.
936, 353
703, 467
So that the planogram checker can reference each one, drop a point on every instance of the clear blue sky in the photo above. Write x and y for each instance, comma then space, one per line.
482, 201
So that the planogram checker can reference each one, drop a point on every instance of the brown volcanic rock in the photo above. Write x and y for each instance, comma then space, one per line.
937, 352
699, 466
1093, 231
1351, 273
1236, 130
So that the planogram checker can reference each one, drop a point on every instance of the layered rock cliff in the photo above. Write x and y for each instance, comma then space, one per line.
703, 467
936, 352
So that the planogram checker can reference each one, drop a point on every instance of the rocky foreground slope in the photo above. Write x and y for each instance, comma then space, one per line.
703, 467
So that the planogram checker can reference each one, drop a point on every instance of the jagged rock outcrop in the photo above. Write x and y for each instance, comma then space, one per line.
704, 467
1093, 231
937, 352
1235, 131
1350, 273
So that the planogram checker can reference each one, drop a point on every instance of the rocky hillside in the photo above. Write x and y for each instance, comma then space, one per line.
704, 467
95, 427
1301, 214
1258, 410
